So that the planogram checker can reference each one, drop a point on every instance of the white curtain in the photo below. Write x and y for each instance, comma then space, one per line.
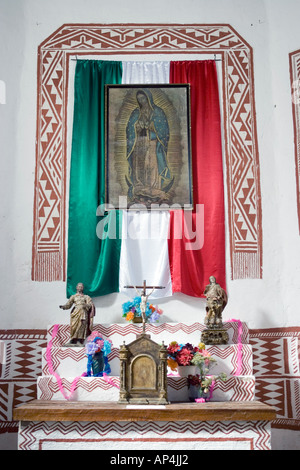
145, 72
144, 249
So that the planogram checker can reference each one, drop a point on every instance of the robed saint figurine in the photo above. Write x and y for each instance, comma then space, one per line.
216, 301
82, 316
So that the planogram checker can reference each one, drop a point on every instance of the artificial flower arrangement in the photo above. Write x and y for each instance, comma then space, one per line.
132, 310
202, 383
203, 360
97, 350
203, 386
182, 354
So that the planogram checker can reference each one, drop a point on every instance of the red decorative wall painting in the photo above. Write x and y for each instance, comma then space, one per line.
241, 150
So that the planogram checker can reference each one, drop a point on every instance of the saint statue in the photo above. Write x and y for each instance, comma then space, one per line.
82, 316
216, 301
148, 136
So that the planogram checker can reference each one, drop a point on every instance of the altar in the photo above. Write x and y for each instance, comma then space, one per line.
112, 426
74, 411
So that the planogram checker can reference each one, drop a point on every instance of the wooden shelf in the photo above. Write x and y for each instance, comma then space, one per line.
40, 410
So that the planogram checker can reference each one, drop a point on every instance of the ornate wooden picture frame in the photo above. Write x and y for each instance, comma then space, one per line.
148, 147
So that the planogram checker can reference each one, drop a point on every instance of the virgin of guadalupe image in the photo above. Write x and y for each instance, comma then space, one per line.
147, 133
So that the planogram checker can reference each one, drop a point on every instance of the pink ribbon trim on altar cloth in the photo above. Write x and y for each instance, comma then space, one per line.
109, 380
58, 379
173, 374
211, 389
240, 346
52, 372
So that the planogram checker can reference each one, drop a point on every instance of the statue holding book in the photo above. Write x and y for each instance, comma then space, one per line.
82, 316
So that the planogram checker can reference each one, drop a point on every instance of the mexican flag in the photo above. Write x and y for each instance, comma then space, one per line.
110, 250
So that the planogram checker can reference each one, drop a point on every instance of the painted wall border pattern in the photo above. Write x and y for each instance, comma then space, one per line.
98, 389
294, 59
242, 159
19, 369
34, 435
119, 330
276, 367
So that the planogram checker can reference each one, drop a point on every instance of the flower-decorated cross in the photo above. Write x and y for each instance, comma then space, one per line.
144, 299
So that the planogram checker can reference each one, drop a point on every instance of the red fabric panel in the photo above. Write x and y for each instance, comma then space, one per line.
191, 269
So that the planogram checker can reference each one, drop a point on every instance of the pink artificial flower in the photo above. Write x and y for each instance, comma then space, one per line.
100, 343
93, 335
205, 353
184, 357
173, 347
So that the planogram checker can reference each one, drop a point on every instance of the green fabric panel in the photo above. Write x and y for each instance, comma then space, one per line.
91, 260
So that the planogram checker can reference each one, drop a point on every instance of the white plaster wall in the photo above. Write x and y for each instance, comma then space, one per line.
270, 27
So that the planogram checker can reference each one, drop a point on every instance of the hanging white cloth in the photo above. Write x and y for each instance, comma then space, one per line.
137, 72
144, 249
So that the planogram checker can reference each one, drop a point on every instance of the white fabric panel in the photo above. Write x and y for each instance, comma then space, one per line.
135, 72
144, 252
144, 249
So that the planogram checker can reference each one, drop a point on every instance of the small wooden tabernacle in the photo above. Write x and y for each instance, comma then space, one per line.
143, 372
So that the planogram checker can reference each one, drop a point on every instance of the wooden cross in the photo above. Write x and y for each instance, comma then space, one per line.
144, 287
144, 299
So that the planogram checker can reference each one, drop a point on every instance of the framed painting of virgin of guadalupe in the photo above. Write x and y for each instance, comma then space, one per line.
148, 147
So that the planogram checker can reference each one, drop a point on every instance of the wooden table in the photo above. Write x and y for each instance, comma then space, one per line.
38, 410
